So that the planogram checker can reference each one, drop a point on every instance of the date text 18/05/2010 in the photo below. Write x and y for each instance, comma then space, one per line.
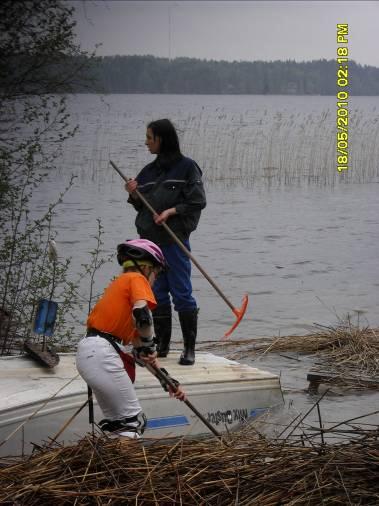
342, 98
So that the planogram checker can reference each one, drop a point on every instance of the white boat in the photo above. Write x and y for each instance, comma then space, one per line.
224, 391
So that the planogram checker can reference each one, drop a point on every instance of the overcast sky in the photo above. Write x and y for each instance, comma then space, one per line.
229, 30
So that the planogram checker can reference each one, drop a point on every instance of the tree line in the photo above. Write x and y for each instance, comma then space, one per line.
149, 74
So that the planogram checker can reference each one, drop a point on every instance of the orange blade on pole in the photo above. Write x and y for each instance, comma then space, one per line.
239, 314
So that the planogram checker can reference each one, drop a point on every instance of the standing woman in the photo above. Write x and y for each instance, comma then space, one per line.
173, 186
122, 316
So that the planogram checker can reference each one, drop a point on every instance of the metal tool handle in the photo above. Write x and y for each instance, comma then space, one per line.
163, 377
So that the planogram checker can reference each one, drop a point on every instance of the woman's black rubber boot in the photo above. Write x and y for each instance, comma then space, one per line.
162, 327
188, 324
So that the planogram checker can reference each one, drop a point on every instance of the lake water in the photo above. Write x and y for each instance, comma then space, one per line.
281, 224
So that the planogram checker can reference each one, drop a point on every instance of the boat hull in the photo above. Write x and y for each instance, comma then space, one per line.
37, 402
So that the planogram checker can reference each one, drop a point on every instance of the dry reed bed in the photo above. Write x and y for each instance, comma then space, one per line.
346, 351
247, 470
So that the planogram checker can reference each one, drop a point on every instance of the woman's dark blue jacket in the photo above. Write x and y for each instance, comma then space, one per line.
164, 185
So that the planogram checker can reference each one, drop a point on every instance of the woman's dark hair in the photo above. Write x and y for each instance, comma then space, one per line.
164, 129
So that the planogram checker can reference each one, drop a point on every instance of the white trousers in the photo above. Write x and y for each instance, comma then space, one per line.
102, 369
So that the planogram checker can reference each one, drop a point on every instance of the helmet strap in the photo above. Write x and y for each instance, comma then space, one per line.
138, 264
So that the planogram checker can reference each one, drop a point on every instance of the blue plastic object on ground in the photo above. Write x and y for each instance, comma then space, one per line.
45, 317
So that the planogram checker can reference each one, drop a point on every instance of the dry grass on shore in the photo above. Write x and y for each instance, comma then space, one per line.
346, 351
248, 470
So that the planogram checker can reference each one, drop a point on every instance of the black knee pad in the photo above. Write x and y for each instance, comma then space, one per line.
125, 424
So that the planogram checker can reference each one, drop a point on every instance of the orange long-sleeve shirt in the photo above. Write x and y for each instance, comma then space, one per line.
113, 312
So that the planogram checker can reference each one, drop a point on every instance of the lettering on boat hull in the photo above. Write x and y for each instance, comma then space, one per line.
228, 417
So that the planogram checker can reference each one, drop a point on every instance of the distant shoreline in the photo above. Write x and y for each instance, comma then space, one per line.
191, 76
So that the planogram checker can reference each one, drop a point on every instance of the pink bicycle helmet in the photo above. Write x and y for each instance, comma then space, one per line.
140, 249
